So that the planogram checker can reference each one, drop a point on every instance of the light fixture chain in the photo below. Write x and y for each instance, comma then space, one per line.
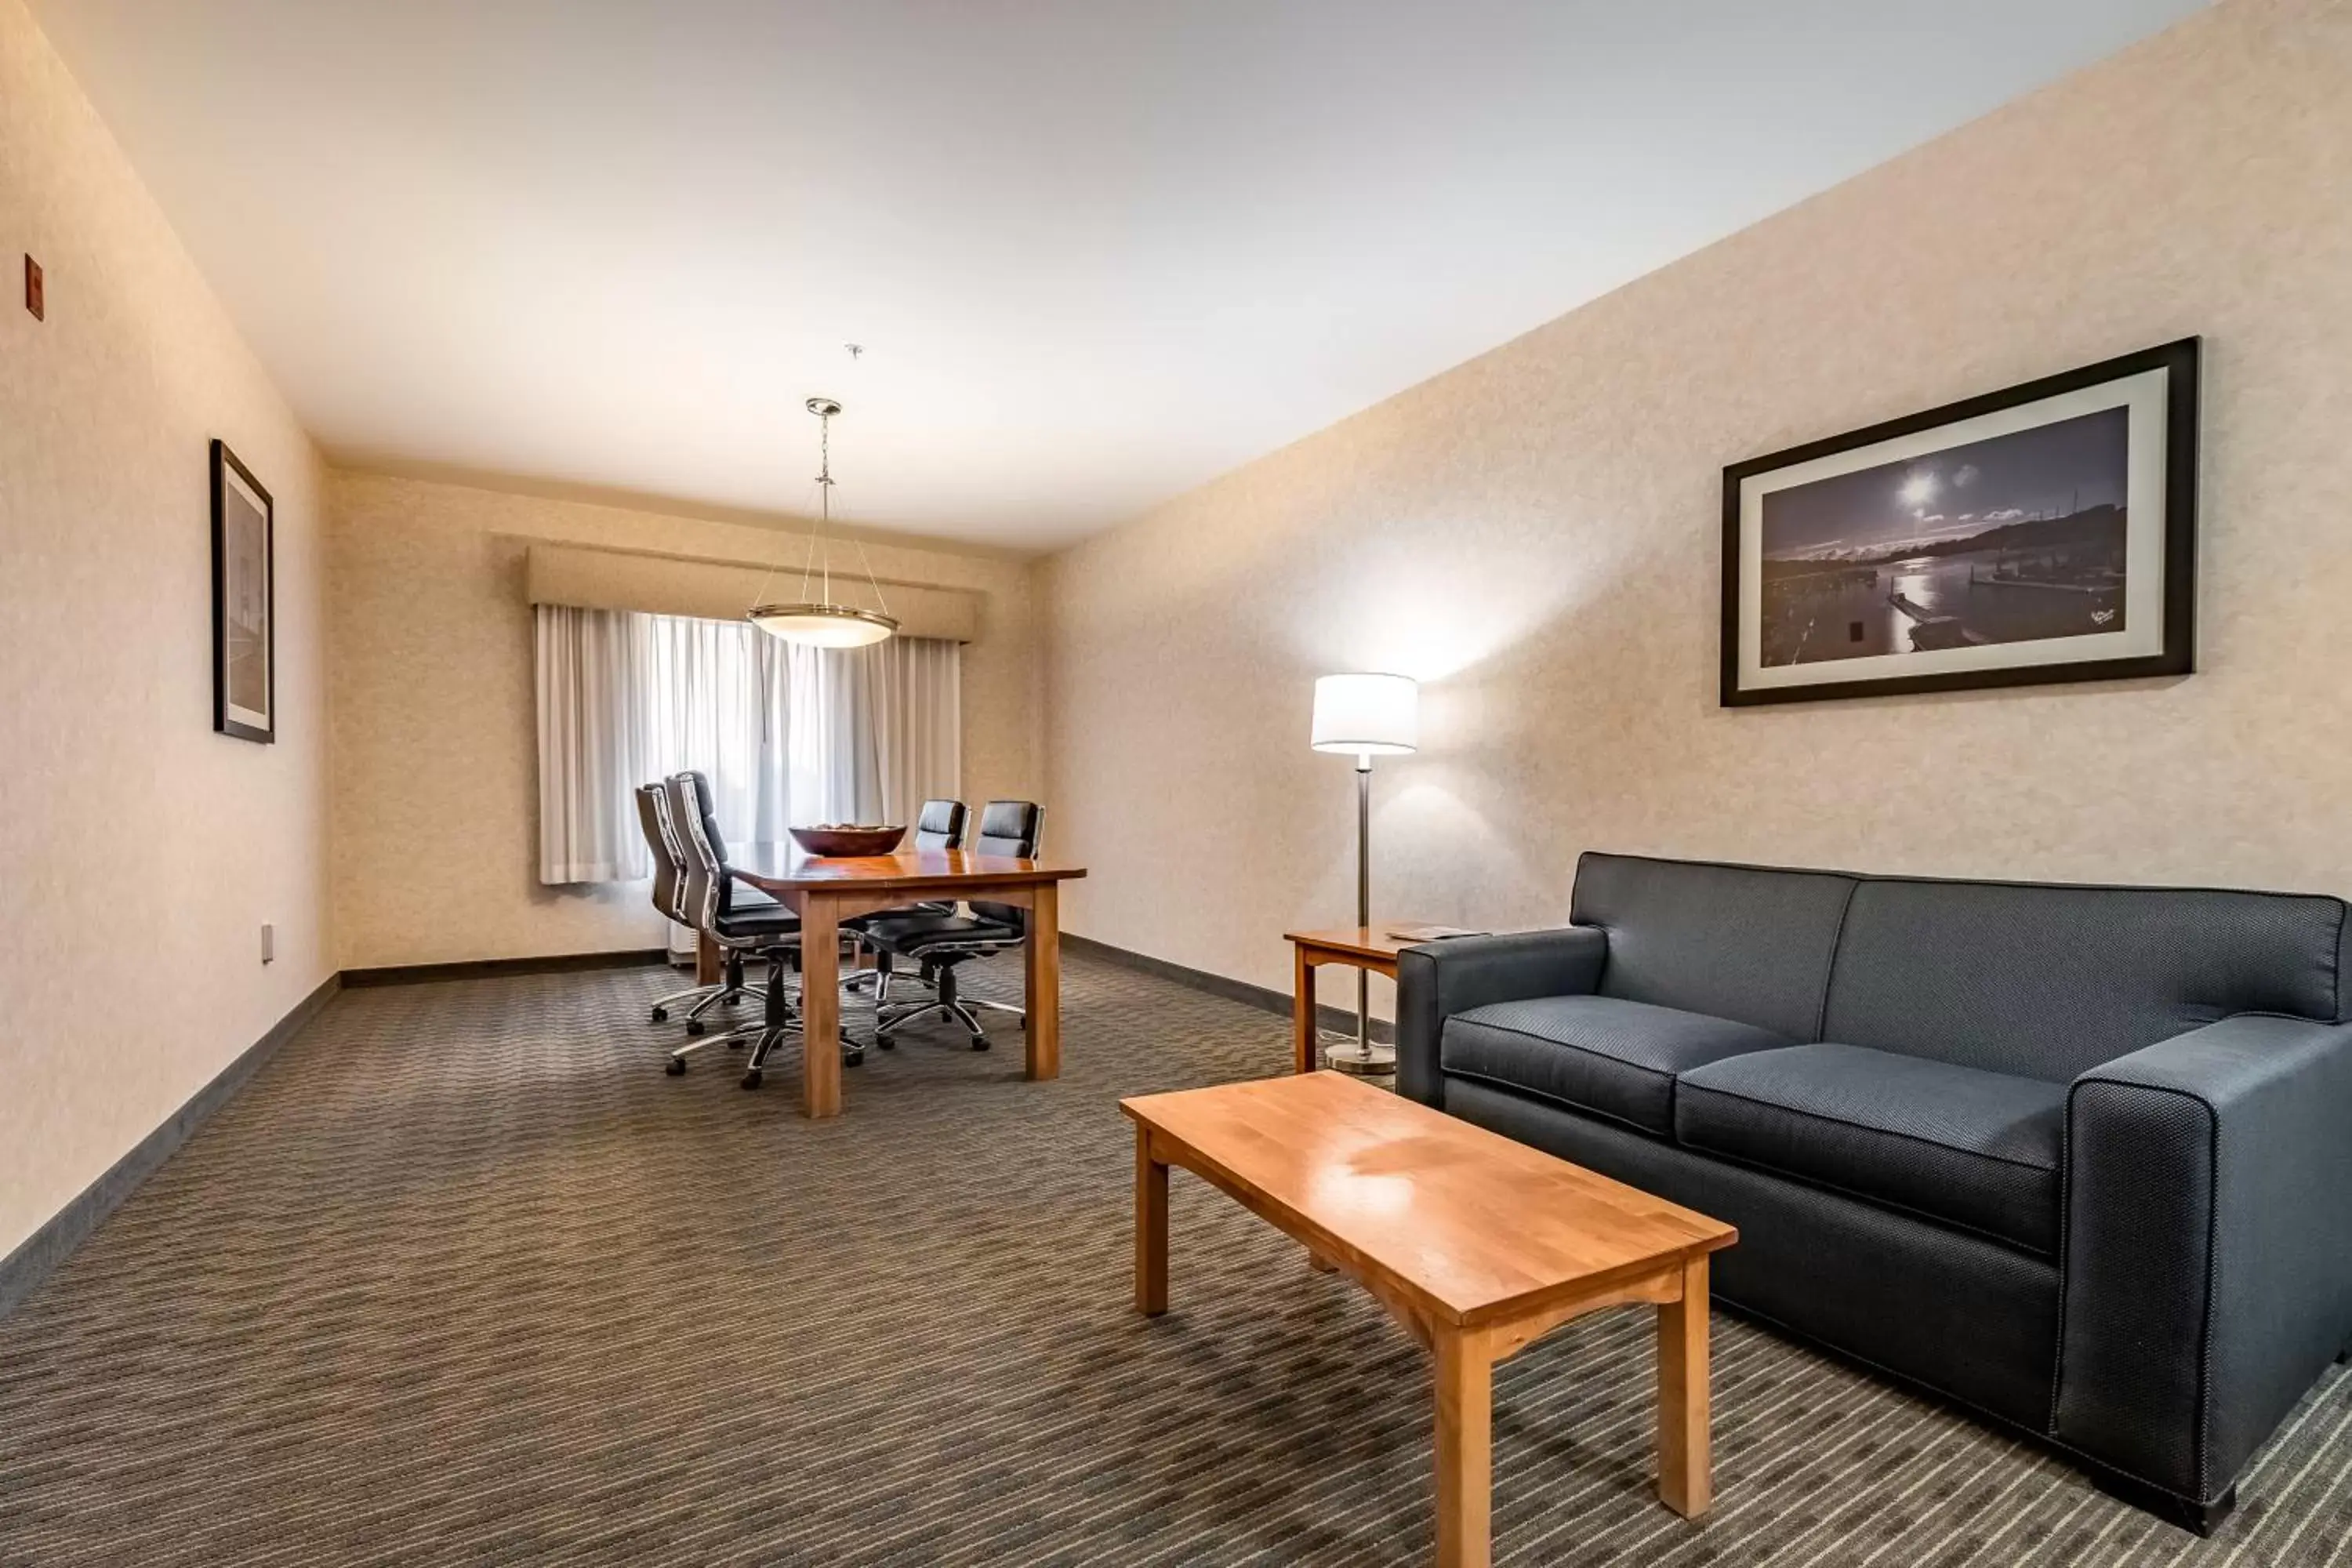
823, 497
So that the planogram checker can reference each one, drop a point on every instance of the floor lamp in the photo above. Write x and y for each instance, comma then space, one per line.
1371, 715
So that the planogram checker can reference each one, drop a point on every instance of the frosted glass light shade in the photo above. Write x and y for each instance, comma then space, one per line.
823, 624
1376, 715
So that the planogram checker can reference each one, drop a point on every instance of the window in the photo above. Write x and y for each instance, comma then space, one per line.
789, 735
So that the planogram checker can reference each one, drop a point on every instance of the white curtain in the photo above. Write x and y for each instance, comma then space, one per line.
590, 747
789, 735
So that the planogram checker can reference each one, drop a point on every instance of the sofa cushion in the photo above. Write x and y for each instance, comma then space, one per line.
2049, 982
1970, 1147
1600, 1054
1744, 942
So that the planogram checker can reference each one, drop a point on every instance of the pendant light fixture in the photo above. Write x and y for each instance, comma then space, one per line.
823, 622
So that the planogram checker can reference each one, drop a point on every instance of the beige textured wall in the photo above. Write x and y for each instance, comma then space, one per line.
1535, 533
436, 841
140, 853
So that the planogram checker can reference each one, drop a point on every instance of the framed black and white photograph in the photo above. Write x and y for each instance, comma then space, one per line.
245, 648
2042, 533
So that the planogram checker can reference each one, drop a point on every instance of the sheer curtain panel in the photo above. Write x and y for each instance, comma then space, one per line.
591, 746
881, 727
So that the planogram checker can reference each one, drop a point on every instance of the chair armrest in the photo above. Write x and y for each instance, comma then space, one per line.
1439, 979
2207, 1245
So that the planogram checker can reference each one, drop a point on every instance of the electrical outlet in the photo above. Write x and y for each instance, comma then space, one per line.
269, 943
34, 300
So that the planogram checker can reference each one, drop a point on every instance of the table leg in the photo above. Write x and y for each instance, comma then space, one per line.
820, 1007
1302, 1013
1041, 997
1685, 1471
708, 965
1150, 1227
1466, 1436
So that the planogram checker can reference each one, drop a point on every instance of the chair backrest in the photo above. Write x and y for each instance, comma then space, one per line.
940, 826
669, 855
1013, 827
705, 873
705, 806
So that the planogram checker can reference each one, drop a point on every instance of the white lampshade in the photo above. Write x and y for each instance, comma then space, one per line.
1373, 715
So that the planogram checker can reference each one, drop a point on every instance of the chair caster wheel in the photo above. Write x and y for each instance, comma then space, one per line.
752, 1078
853, 1058
888, 1045
694, 1025
980, 1042
675, 1067
661, 1014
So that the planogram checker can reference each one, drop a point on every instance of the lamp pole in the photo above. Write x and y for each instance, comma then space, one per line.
1363, 899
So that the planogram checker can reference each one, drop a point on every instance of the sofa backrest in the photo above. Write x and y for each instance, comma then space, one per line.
1738, 942
2047, 981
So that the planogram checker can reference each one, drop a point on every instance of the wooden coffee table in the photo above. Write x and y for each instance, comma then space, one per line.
1478, 1244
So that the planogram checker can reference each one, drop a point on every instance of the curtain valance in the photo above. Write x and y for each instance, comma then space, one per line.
588, 578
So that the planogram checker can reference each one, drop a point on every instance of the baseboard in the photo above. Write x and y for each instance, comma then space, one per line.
38, 1256
1337, 1020
489, 968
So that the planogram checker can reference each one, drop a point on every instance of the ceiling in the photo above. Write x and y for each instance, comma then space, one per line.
1099, 251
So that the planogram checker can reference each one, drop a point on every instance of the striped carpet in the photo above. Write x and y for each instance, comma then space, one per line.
462, 1279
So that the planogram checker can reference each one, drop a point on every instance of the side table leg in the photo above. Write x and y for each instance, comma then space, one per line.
1686, 1482
1302, 1013
1150, 1227
1465, 1438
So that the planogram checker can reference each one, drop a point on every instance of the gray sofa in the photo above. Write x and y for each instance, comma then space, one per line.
2079, 1158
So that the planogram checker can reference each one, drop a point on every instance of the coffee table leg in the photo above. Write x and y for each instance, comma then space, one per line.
1150, 1227
1466, 1435
1685, 1468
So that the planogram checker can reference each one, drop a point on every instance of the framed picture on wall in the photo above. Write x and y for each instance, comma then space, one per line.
245, 642
2047, 532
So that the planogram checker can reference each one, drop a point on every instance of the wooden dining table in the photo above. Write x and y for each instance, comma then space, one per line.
826, 890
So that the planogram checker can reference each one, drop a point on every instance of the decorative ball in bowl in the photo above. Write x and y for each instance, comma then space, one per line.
848, 838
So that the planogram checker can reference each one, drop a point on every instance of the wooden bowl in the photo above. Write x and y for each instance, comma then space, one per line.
846, 840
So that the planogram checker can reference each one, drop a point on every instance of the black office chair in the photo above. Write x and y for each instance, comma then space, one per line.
669, 883
772, 933
941, 942
939, 827
670, 897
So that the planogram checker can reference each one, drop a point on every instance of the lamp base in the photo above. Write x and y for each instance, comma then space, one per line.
1370, 1060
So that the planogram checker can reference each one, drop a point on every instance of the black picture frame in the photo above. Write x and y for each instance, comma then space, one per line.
236, 494
2179, 362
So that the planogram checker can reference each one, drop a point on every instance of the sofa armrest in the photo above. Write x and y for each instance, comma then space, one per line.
1439, 979
2207, 1245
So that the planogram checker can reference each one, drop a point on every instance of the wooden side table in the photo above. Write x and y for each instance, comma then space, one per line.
1350, 947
